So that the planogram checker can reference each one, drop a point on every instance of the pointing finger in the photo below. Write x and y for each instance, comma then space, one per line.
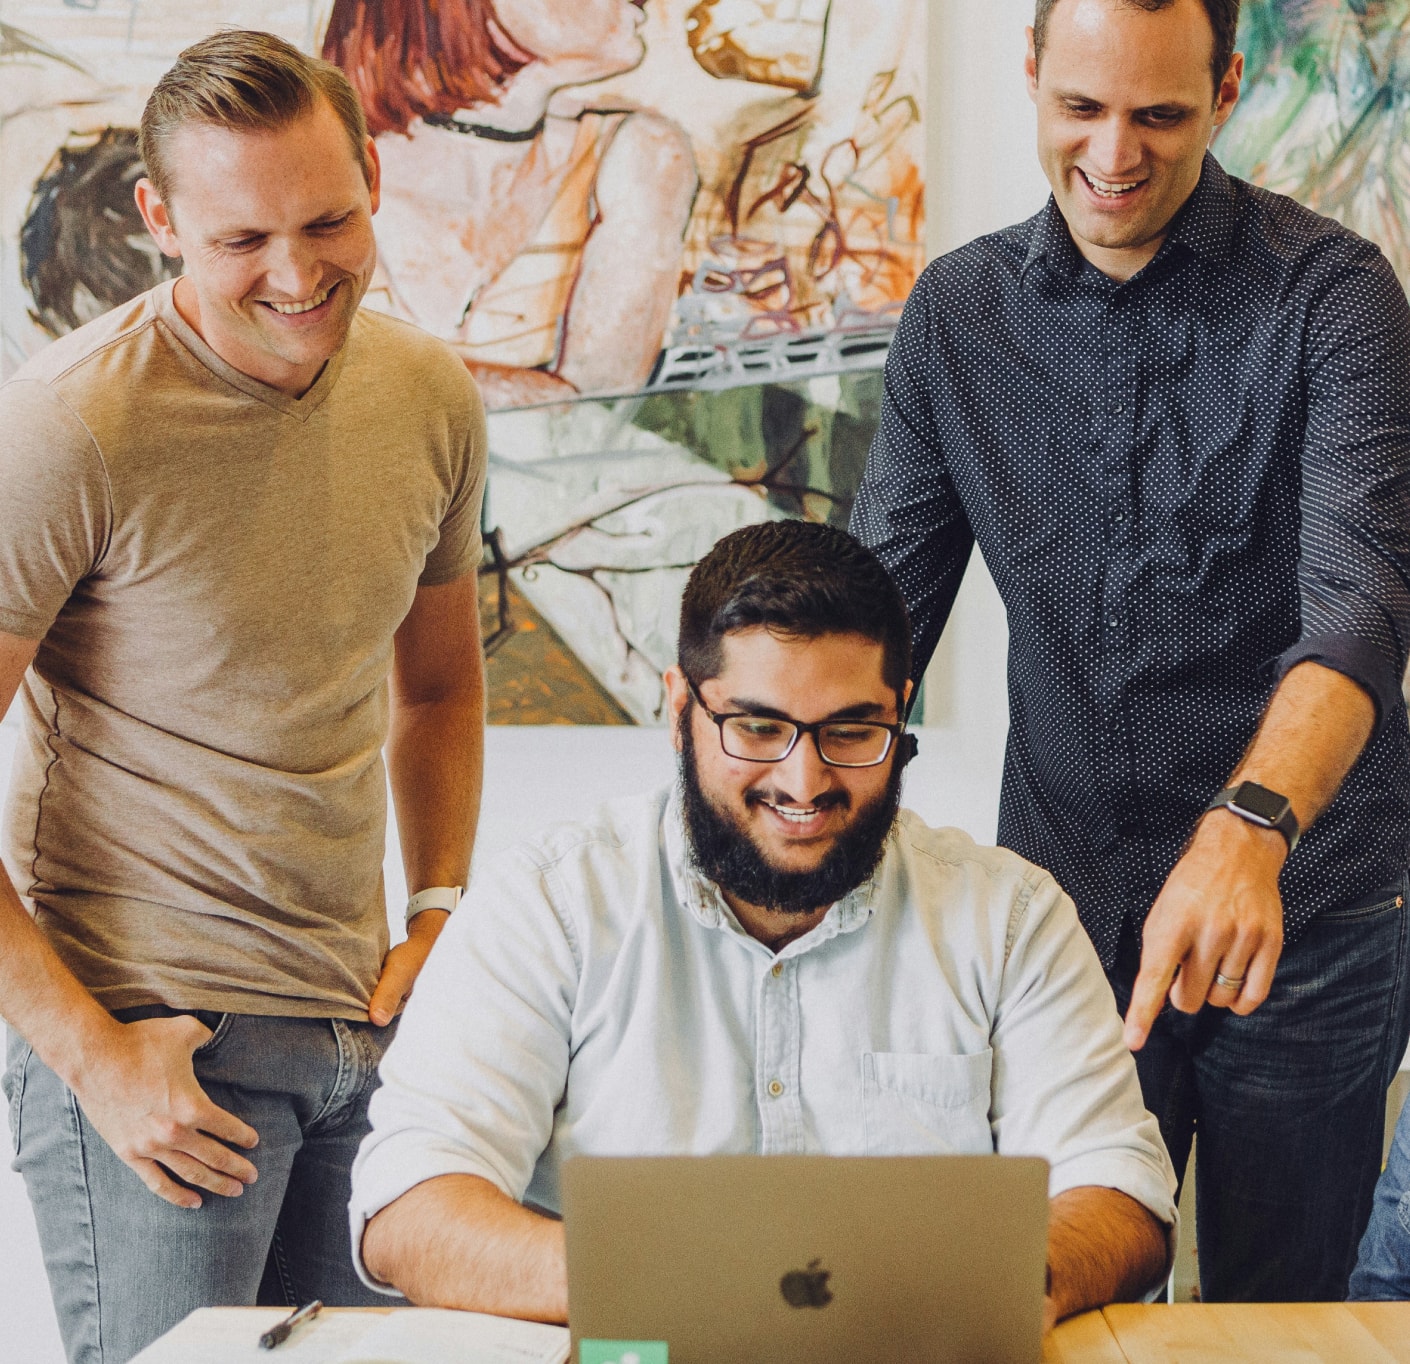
1148, 997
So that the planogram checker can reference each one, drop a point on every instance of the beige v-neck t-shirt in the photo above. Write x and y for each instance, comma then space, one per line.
216, 571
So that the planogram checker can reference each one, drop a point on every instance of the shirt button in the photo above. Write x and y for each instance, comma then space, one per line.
778, 968
1114, 622
775, 1088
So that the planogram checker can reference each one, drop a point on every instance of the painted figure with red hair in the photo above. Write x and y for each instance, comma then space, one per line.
538, 234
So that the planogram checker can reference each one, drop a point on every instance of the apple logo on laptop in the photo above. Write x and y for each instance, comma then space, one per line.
806, 1287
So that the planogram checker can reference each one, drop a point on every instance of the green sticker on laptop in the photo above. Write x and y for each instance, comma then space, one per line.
622, 1352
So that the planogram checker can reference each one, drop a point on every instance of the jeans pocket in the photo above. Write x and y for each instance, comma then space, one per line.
14, 1080
219, 1024
1368, 906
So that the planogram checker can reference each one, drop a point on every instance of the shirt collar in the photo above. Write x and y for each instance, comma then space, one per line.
1207, 222
1205, 225
702, 899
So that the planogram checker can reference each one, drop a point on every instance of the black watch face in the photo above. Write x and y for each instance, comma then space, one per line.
1260, 801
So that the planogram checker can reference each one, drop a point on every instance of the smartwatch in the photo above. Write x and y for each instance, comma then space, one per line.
1260, 806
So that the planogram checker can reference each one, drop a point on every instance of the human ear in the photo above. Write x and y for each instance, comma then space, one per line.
156, 216
373, 162
677, 698
1227, 96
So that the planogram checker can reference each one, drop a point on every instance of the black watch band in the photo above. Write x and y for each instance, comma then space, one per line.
1260, 806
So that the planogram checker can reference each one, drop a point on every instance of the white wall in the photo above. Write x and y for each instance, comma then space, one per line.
982, 176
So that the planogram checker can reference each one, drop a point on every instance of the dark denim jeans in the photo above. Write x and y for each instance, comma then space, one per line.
1383, 1264
1288, 1103
124, 1265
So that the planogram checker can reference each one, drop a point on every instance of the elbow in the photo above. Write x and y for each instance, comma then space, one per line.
379, 1252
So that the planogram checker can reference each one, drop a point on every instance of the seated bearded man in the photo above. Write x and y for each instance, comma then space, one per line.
770, 959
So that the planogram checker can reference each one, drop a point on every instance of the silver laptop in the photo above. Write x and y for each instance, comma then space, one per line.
808, 1259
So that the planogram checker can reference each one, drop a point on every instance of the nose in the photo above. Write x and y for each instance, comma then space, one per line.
1114, 148
803, 774
292, 269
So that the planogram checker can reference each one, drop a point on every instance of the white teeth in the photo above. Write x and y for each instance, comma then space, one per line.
1109, 188
308, 305
793, 812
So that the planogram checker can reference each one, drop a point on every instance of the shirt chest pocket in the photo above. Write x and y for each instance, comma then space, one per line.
917, 1104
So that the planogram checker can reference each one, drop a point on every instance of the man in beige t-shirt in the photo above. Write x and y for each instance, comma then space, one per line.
238, 554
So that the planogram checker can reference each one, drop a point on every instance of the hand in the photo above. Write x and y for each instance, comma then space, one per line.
144, 1100
1219, 912
403, 965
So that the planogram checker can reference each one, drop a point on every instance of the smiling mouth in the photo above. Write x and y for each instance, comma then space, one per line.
305, 306
795, 814
1110, 189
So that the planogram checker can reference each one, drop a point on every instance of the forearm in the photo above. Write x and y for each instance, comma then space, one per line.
435, 760
1103, 1247
1312, 733
44, 1001
457, 1241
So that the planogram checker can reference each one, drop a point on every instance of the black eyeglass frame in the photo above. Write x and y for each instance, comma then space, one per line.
894, 731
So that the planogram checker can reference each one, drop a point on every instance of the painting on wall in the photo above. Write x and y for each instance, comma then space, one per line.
670, 238
1325, 112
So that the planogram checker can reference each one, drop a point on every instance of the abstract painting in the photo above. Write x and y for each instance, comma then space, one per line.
1325, 112
670, 238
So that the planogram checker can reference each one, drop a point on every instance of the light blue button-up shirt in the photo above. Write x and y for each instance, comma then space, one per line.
596, 995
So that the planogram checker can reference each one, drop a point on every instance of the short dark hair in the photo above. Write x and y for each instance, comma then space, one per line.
798, 579
246, 81
1223, 19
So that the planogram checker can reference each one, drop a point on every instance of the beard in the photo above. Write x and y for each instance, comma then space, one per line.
722, 850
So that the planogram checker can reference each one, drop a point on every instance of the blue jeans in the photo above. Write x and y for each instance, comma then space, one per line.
124, 1265
1288, 1103
1383, 1263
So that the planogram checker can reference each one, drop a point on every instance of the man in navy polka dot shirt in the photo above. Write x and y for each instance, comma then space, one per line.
1174, 412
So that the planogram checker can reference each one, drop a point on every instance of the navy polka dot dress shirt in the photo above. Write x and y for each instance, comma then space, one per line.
1183, 485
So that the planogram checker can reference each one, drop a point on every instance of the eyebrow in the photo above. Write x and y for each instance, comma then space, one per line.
863, 710
332, 215
1169, 106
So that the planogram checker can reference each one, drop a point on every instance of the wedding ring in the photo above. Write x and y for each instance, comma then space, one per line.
1229, 982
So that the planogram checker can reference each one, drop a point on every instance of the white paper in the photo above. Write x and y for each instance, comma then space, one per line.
230, 1335
428, 1336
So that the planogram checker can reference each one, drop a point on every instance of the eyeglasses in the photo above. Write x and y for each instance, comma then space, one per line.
770, 739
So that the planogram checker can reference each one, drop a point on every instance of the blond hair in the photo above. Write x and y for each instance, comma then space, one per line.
246, 81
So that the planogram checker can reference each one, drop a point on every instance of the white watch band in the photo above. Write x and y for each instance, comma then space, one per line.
433, 897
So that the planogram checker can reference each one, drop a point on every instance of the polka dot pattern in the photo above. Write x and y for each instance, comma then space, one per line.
1183, 485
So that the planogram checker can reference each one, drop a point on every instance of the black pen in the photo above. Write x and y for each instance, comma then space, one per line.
277, 1335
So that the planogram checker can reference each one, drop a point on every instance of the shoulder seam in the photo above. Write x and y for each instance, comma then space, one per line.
1019, 908
125, 335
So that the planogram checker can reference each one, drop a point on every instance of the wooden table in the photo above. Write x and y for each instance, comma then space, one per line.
1236, 1333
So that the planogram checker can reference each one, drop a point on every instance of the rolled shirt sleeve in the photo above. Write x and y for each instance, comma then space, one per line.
1064, 1084
481, 1059
1354, 567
